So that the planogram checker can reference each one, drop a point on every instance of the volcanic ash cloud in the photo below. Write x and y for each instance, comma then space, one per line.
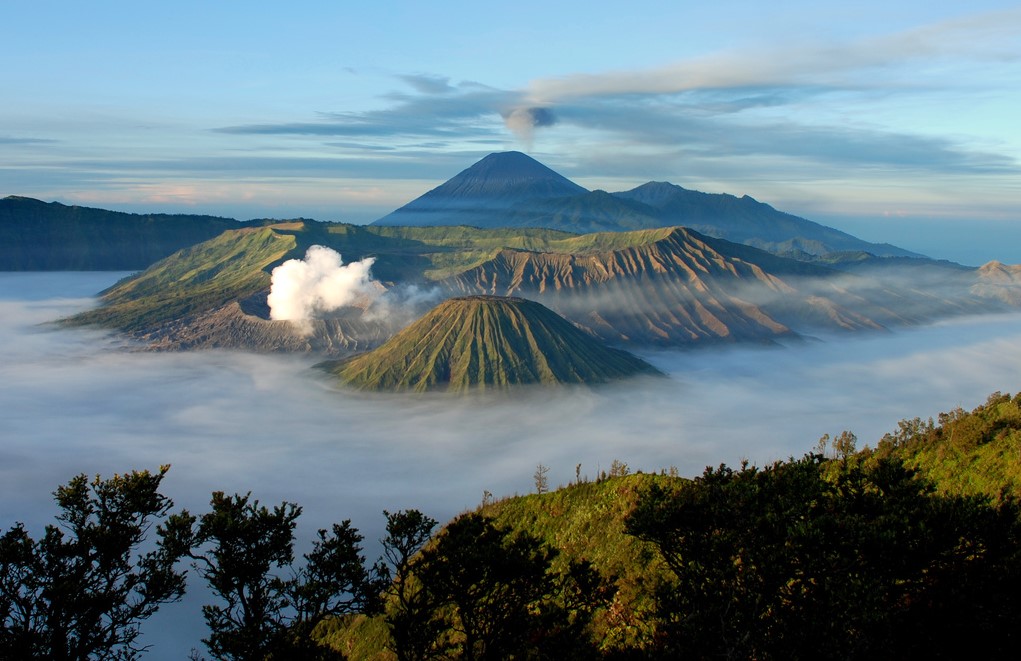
304, 289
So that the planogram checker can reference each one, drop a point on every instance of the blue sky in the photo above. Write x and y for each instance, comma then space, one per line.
895, 121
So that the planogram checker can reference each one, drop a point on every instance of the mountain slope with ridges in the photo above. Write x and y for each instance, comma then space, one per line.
674, 287
748, 221
487, 342
666, 286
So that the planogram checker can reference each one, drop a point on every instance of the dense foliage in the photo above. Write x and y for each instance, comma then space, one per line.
841, 559
977, 452
264, 614
483, 592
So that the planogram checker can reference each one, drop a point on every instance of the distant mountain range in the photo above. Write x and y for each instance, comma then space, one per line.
502, 190
649, 282
511, 189
41, 236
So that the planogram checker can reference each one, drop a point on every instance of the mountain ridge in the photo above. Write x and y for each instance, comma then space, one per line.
469, 198
50, 236
659, 287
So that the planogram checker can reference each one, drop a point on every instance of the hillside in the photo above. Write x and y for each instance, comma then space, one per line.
964, 453
999, 281
906, 551
668, 286
673, 286
487, 342
40, 236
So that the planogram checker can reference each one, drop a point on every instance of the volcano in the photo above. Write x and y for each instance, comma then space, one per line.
484, 191
510, 189
487, 342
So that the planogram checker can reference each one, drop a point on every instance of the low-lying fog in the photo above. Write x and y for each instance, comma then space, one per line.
73, 401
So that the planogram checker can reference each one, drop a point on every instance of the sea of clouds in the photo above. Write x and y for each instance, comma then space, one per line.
80, 401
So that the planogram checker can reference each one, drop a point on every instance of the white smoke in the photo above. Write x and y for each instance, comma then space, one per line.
320, 283
404, 303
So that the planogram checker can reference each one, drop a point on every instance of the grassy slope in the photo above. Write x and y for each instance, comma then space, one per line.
586, 522
237, 263
481, 342
229, 267
977, 452
582, 521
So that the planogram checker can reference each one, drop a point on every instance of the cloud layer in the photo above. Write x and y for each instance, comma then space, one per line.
74, 401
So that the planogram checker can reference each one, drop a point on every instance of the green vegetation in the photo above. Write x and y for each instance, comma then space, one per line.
232, 266
840, 559
976, 453
484, 342
265, 614
80, 591
585, 522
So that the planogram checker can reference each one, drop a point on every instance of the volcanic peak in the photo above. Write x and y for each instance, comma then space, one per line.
486, 342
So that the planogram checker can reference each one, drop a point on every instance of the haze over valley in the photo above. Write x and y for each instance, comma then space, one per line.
76, 401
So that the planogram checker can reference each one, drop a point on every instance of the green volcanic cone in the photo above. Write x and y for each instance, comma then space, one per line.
481, 342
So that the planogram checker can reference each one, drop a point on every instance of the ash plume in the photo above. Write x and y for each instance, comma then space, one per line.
523, 122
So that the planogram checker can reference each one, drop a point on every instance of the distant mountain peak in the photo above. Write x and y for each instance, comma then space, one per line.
506, 175
497, 182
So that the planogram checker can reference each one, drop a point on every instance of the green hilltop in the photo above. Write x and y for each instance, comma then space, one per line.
486, 342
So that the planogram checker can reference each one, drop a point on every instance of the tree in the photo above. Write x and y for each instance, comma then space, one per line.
845, 444
831, 559
411, 626
541, 478
80, 591
482, 592
248, 549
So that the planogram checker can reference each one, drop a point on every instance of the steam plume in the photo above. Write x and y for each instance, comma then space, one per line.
320, 283
524, 121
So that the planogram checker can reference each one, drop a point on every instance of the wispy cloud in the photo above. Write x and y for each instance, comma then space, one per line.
727, 104
429, 83
821, 65
10, 140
